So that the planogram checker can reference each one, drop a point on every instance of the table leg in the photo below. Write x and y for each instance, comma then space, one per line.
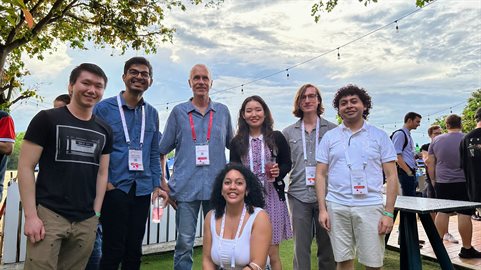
436, 242
410, 255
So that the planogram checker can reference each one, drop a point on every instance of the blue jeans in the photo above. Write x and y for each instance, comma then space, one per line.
186, 224
94, 260
408, 183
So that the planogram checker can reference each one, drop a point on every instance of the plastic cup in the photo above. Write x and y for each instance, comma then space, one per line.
270, 163
157, 210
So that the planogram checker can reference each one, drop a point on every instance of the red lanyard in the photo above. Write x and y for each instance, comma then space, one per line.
191, 120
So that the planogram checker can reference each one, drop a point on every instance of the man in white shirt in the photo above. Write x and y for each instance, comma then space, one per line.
353, 156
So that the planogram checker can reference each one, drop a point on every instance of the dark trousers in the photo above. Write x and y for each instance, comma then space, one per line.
123, 220
408, 183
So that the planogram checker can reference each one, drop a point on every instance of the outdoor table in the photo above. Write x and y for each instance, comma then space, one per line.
409, 239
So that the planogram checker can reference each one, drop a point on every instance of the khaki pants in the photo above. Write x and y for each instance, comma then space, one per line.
67, 245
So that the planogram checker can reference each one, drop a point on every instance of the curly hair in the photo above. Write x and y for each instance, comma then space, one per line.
242, 135
254, 191
298, 100
353, 90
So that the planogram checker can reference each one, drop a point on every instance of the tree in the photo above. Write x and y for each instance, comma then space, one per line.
31, 27
13, 158
469, 123
328, 5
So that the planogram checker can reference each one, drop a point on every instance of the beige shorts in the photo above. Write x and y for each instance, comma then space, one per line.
354, 230
67, 245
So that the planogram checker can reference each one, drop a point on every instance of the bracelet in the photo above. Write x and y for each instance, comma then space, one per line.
250, 267
388, 214
255, 265
97, 214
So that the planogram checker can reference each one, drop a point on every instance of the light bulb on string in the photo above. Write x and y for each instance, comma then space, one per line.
287, 73
167, 107
338, 54
242, 89
397, 26
450, 109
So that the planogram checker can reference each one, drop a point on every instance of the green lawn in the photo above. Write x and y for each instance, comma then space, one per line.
165, 260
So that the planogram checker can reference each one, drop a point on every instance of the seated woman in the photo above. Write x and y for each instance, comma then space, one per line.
237, 232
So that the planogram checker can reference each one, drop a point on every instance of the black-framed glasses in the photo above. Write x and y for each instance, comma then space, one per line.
135, 73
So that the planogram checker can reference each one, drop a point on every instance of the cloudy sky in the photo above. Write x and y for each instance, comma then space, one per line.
431, 65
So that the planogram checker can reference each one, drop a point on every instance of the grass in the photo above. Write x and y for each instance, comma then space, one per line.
165, 260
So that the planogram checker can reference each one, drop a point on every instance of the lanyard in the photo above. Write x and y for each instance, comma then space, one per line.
239, 226
209, 128
263, 156
363, 151
304, 138
124, 123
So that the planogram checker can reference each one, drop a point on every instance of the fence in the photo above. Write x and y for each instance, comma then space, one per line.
158, 237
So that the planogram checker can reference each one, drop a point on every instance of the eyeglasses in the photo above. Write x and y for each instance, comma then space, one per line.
310, 96
136, 73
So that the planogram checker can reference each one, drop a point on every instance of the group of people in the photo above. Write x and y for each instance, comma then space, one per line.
102, 161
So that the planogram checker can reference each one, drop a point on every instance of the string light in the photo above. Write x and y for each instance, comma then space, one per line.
397, 26
338, 54
287, 73
242, 89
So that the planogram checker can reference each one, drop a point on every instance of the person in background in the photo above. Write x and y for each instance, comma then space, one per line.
266, 153
470, 162
61, 100
449, 182
237, 232
303, 137
7, 141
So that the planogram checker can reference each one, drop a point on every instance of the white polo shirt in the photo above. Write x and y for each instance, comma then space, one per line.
368, 145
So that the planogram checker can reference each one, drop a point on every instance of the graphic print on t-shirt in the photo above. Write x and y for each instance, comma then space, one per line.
78, 145
474, 147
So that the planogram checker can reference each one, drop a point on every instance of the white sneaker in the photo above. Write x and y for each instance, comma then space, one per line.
450, 238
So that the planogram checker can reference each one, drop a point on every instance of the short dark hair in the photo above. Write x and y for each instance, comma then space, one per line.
453, 121
353, 90
477, 116
138, 60
89, 67
65, 98
432, 128
298, 99
412, 116
254, 196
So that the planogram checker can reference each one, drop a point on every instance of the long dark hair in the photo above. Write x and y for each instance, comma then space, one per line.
254, 191
242, 135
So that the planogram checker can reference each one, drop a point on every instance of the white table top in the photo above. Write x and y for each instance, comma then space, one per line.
427, 205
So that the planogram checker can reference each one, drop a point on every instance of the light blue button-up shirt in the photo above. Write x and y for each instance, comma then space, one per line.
190, 182
119, 174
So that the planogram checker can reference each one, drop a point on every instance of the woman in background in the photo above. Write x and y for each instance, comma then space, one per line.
237, 232
267, 154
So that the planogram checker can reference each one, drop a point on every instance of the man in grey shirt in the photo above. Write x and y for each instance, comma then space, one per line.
303, 137
448, 180
199, 130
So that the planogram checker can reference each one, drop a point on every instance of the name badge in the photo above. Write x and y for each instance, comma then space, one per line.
202, 155
135, 160
358, 182
310, 176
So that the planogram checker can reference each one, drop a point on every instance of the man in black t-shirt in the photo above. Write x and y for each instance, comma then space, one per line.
470, 162
72, 148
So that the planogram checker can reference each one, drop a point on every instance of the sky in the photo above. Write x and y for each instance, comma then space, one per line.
430, 65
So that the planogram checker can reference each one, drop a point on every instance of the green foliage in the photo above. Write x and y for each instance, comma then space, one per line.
321, 6
473, 103
13, 158
119, 24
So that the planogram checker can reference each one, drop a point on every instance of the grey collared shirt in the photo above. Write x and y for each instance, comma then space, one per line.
190, 182
297, 177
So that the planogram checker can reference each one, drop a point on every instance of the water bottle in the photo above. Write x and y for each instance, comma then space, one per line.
157, 209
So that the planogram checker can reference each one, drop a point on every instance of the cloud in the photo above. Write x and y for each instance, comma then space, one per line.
54, 62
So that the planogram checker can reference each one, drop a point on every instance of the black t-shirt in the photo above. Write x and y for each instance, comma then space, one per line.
471, 163
425, 147
68, 166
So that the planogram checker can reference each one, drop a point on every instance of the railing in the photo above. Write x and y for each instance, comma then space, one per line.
158, 237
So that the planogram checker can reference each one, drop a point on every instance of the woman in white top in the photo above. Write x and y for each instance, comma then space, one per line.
237, 233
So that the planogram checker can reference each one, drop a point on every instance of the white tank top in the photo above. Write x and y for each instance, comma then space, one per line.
242, 247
